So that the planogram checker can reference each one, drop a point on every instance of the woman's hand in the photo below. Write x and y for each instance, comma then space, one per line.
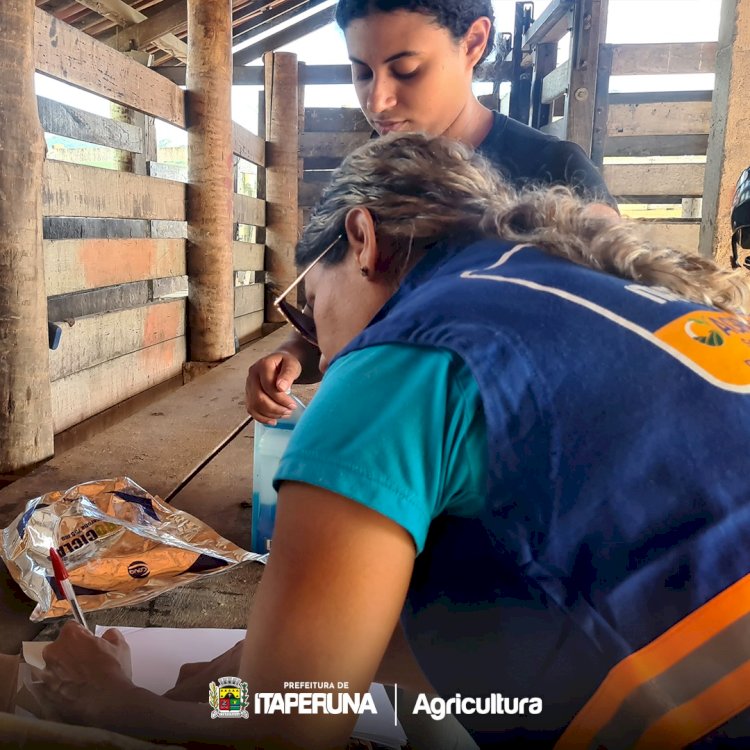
194, 679
267, 382
86, 680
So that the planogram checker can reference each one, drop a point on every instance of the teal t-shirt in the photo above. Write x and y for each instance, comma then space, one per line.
398, 428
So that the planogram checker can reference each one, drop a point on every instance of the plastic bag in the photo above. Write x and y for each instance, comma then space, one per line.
120, 545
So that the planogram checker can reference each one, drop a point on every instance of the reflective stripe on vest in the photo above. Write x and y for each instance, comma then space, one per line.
681, 686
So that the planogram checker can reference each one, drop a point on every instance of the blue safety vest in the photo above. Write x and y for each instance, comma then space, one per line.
608, 571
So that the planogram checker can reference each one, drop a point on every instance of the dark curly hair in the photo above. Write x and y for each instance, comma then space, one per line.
456, 16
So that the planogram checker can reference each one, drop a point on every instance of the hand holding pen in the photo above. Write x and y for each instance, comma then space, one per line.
66, 587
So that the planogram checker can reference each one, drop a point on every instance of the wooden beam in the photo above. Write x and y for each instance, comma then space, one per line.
249, 210
556, 83
679, 118
727, 142
210, 219
142, 33
656, 145
644, 180
88, 392
76, 58
248, 299
289, 34
680, 234
77, 190
122, 14
248, 256
662, 59
25, 418
282, 137
95, 339
75, 265
62, 119
248, 145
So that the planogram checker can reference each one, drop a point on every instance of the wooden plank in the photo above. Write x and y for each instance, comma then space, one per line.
85, 393
556, 83
57, 228
62, 119
95, 339
330, 144
682, 180
75, 265
660, 97
77, 58
680, 234
95, 301
248, 299
678, 118
248, 145
249, 210
249, 327
174, 172
248, 256
656, 145
335, 120
77, 190
661, 59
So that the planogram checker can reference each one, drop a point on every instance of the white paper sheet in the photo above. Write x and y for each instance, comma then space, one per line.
158, 653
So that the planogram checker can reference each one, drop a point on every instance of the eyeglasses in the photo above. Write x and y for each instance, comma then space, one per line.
303, 323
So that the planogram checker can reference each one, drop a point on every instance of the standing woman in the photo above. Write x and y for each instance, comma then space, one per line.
413, 63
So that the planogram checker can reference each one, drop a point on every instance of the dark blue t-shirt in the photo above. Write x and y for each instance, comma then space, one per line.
527, 156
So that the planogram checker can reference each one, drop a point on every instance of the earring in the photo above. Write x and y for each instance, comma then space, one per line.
364, 271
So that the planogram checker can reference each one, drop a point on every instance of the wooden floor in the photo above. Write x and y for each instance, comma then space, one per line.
157, 447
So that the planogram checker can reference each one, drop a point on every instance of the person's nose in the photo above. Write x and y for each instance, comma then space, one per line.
382, 94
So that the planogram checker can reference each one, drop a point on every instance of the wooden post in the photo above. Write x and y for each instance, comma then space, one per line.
209, 191
282, 148
26, 414
589, 27
727, 154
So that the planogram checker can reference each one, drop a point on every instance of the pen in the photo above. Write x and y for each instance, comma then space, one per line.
66, 587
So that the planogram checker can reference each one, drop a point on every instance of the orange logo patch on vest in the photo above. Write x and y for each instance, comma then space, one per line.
718, 342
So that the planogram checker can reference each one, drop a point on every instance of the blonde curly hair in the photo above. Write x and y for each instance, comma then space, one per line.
423, 189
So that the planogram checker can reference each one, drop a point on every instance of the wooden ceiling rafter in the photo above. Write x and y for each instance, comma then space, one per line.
265, 19
285, 36
161, 30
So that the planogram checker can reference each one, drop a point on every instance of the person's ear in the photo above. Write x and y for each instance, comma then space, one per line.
360, 232
476, 39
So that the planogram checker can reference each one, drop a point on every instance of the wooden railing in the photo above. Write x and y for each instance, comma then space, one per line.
115, 241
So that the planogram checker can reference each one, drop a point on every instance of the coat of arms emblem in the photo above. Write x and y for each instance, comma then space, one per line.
229, 699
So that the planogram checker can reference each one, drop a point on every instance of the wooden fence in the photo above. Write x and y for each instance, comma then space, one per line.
115, 241
649, 145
